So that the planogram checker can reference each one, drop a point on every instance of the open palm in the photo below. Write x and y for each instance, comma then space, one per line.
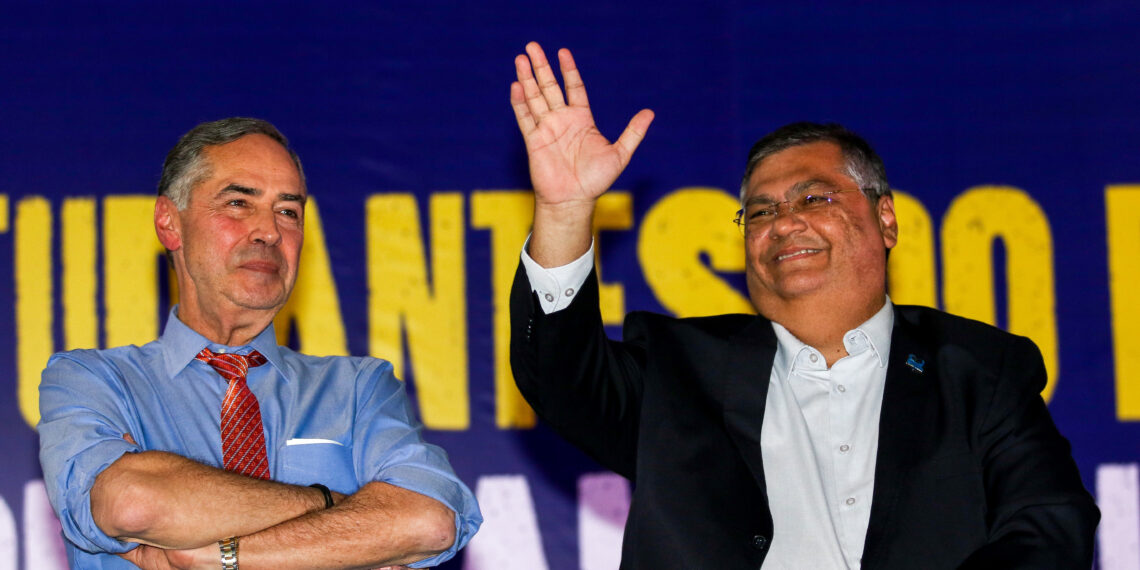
570, 160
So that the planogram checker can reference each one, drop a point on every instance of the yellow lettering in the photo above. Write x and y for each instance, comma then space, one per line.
130, 270
676, 231
80, 323
34, 342
974, 220
3, 213
508, 214
314, 306
910, 271
435, 316
614, 211
1122, 207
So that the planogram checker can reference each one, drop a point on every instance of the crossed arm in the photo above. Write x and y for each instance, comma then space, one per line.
108, 492
178, 509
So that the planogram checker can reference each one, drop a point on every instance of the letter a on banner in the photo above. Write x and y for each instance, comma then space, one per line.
509, 538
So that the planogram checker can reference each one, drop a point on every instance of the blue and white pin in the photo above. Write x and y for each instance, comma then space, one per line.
915, 363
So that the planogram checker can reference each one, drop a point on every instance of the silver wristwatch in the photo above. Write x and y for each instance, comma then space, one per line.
229, 547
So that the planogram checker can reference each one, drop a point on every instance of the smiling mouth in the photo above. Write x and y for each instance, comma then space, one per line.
796, 253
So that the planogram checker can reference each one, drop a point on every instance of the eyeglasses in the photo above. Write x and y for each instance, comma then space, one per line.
762, 215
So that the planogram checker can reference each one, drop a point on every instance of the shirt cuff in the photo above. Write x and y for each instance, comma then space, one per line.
557, 286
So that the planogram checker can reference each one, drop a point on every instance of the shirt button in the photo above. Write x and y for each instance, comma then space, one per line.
759, 542
844, 448
850, 501
549, 297
841, 388
570, 292
813, 357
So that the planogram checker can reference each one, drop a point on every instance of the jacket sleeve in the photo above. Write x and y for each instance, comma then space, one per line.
587, 387
1039, 513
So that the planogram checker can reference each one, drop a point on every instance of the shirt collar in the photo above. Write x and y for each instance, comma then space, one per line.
876, 329
181, 344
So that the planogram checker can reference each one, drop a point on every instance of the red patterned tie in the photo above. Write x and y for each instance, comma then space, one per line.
243, 439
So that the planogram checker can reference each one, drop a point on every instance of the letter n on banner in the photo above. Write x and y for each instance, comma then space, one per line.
432, 314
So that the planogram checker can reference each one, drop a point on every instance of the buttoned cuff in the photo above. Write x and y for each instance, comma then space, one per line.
557, 286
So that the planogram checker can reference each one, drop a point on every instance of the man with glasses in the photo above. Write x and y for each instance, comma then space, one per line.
834, 429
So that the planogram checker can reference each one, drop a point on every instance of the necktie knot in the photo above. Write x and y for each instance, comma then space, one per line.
229, 365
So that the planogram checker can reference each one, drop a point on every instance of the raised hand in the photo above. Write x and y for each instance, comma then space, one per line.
571, 163
569, 158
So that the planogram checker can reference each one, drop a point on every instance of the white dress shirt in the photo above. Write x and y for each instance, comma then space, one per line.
819, 441
819, 436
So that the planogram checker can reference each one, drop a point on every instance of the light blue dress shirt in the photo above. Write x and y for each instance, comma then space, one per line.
338, 421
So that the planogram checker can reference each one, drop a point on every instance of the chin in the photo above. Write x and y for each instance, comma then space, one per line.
261, 302
790, 289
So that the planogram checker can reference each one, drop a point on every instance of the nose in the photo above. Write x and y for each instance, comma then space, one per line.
787, 221
263, 227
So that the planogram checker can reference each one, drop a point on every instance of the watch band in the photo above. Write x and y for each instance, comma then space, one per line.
229, 548
326, 492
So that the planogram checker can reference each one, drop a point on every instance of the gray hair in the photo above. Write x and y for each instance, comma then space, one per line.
863, 165
185, 166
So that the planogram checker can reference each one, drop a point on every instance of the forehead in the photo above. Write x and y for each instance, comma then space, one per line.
822, 162
253, 161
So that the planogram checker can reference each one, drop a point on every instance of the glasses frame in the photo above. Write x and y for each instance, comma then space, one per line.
742, 224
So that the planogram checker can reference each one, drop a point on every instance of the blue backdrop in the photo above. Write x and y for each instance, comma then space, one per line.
1009, 129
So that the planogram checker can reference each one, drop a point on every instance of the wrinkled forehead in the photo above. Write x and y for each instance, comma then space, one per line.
253, 161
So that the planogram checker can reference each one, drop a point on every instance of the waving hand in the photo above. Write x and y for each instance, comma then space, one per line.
571, 163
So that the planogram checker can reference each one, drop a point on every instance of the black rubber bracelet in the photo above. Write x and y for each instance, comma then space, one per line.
326, 492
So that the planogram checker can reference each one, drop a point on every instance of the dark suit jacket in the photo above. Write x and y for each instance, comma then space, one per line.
971, 471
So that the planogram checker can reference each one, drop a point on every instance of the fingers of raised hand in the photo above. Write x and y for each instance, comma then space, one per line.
531, 93
544, 75
527, 122
575, 89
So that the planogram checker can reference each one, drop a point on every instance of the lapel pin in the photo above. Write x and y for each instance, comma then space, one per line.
915, 363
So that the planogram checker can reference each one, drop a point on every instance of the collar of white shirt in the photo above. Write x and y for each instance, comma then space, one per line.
874, 334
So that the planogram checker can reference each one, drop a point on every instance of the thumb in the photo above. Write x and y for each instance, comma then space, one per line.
633, 134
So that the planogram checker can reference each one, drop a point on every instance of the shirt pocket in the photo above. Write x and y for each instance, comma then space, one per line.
309, 461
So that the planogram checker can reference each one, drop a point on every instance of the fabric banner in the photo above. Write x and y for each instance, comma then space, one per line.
1009, 132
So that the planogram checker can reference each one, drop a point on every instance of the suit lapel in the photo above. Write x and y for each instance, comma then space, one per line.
911, 383
747, 367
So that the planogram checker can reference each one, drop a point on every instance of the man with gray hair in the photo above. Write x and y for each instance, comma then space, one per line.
833, 429
213, 443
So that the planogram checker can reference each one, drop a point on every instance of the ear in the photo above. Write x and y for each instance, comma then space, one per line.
167, 223
888, 225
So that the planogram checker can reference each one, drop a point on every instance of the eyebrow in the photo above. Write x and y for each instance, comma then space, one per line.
247, 191
797, 189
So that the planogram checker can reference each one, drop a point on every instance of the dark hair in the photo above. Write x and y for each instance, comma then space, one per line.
185, 166
863, 165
